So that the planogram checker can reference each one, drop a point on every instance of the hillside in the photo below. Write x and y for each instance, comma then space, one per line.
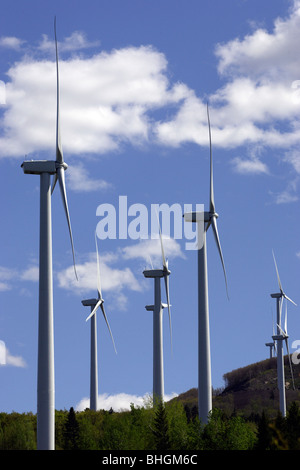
250, 390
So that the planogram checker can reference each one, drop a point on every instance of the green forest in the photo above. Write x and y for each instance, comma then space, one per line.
164, 427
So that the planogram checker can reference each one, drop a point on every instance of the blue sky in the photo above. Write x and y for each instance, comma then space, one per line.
135, 77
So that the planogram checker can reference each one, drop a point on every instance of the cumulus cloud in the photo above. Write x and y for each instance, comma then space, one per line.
289, 194
264, 53
120, 401
116, 277
113, 279
110, 99
258, 103
11, 42
249, 166
7, 359
8, 276
76, 41
80, 180
105, 101
150, 250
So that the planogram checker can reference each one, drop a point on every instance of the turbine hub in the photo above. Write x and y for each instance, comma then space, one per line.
61, 165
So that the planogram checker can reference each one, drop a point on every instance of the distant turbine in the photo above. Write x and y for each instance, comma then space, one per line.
279, 337
45, 386
272, 345
204, 358
95, 304
157, 308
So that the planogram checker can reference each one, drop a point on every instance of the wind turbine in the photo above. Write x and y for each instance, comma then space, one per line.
45, 379
272, 345
204, 355
95, 304
279, 337
157, 309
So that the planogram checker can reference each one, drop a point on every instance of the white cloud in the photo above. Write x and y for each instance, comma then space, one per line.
285, 197
11, 42
10, 275
105, 101
112, 279
120, 401
108, 100
76, 41
6, 275
264, 53
249, 166
7, 359
80, 180
293, 157
116, 279
288, 195
151, 250
30, 274
15, 361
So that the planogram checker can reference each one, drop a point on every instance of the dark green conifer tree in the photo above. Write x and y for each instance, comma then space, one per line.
293, 427
161, 431
264, 435
71, 432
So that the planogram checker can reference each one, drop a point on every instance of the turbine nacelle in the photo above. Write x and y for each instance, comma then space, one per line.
197, 216
152, 273
279, 337
90, 302
150, 308
278, 295
282, 293
36, 167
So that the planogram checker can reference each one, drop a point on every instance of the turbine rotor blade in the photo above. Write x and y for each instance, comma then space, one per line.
290, 300
106, 321
60, 175
281, 331
100, 301
285, 320
59, 152
290, 362
166, 277
94, 309
98, 270
278, 278
165, 265
215, 230
61, 178
211, 196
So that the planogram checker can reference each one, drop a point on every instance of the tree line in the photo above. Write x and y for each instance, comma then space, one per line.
164, 427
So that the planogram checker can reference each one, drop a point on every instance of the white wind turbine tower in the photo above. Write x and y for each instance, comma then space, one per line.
95, 304
157, 308
280, 337
45, 380
204, 356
